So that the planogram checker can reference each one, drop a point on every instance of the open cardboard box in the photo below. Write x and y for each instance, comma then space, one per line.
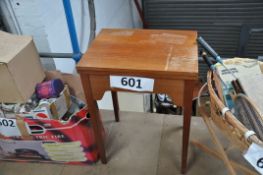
56, 110
73, 82
62, 104
37, 140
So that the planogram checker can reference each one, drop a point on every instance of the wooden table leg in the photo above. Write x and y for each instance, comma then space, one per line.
188, 96
115, 105
95, 117
208, 121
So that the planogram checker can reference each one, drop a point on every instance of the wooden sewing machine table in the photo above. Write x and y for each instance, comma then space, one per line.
138, 60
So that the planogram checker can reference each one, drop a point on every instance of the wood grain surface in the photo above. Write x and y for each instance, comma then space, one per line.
168, 56
162, 52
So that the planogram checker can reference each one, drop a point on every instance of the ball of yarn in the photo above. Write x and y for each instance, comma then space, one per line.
49, 89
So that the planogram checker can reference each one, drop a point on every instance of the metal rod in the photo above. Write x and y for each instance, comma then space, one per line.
72, 30
214, 54
56, 55
140, 11
92, 15
212, 67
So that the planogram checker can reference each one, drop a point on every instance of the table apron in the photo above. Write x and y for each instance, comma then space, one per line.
174, 88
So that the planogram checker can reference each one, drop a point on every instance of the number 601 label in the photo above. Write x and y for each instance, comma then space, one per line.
132, 83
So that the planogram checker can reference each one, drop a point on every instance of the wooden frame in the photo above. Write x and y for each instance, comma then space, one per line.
168, 57
219, 153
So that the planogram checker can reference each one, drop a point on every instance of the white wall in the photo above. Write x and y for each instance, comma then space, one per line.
26, 17
46, 21
116, 14
56, 27
109, 14
119, 14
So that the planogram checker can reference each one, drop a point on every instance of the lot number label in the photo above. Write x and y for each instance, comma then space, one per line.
254, 155
132, 83
8, 127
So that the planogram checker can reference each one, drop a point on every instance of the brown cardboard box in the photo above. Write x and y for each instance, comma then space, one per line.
61, 105
20, 68
54, 108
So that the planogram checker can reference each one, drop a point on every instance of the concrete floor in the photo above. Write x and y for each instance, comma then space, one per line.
141, 144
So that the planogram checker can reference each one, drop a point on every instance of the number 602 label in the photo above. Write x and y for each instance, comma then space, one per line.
8, 127
132, 83
7, 123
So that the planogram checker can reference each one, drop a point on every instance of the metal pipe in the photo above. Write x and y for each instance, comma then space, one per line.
56, 55
140, 11
92, 15
72, 30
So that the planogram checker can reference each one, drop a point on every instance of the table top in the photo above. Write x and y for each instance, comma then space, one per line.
164, 52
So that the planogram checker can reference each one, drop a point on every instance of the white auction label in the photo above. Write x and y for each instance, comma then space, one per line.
254, 156
8, 127
132, 83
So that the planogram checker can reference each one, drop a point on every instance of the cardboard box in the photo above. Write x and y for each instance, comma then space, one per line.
20, 68
242, 68
73, 82
50, 141
61, 105
55, 108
